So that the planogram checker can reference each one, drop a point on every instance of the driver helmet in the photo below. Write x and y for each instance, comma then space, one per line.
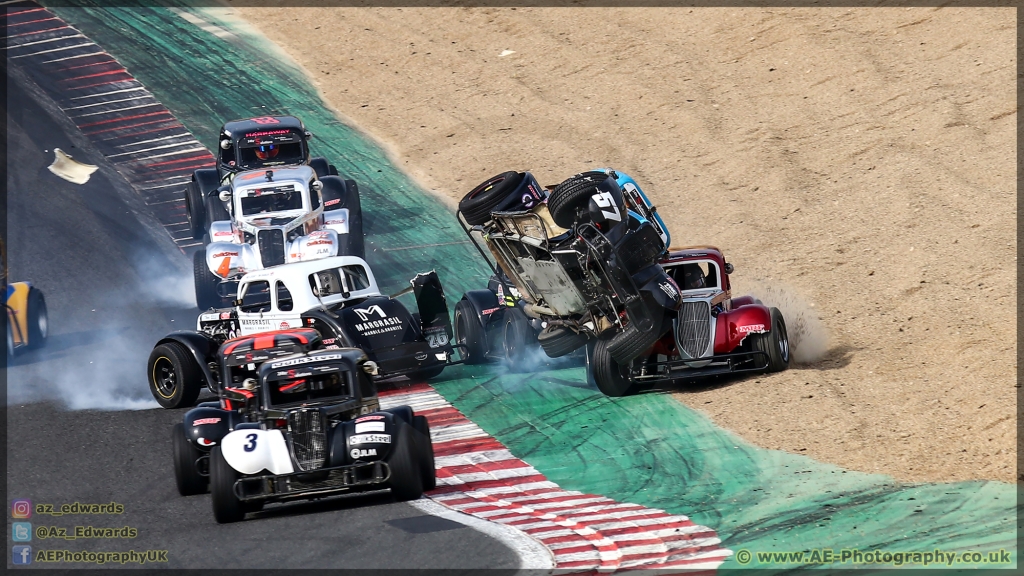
693, 277
266, 151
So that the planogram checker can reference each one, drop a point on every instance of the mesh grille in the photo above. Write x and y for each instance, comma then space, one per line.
693, 329
271, 244
640, 248
309, 438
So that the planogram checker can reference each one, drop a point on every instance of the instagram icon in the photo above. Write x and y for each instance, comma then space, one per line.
21, 509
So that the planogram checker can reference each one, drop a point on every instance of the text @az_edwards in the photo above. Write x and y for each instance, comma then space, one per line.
855, 556
128, 557
83, 532
79, 508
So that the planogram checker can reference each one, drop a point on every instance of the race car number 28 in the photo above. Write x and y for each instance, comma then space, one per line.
437, 340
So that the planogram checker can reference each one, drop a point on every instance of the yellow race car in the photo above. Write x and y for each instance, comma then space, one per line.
26, 313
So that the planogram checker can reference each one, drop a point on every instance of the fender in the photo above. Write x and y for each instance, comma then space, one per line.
336, 220
318, 244
485, 304
656, 283
219, 252
635, 196
367, 438
733, 326
339, 194
250, 451
202, 349
435, 320
205, 426
208, 180
222, 231
742, 301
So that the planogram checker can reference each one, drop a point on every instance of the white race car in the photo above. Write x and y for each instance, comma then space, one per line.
275, 216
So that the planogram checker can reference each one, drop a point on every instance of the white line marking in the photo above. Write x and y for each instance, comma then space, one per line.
199, 149
184, 179
46, 41
164, 147
54, 50
183, 135
73, 57
117, 110
133, 99
532, 554
98, 94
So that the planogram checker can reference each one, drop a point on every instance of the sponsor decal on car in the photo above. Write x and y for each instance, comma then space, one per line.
490, 311
305, 360
202, 421
369, 427
209, 317
223, 233
365, 313
255, 323
668, 289
332, 202
318, 242
368, 418
420, 356
370, 439
328, 340
319, 234
225, 254
751, 328
284, 326
357, 453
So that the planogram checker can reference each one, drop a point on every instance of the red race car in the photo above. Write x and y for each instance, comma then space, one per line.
713, 333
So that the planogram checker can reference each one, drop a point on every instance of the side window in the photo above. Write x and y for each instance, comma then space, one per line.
256, 297
227, 156
284, 298
314, 198
712, 276
356, 278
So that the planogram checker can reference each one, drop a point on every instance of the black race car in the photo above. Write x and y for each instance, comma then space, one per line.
336, 296
305, 424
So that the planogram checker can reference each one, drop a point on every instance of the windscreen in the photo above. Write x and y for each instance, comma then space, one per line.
271, 199
270, 148
329, 282
307, 386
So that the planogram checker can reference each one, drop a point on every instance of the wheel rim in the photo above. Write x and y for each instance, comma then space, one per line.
510, 344
164, 379
42, 323
783, 342
460, 334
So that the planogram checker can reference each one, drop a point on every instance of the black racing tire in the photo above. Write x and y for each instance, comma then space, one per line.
195, 210
426, 452
608, 375
38, 321
216, 211
427, 373
227, 507
175, 378
406, 480
775, 343
558, 341
186, 476
320, 166
11, 350
517, 336
632, 342
476, 206
339, 193
571, 197
470, 333
205, 282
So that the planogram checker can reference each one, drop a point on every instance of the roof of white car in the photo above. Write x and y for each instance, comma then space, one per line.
304, 269
301, 174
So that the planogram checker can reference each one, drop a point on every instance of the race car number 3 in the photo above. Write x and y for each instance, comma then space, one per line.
252, 443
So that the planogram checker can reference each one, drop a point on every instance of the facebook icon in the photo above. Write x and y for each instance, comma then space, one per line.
22, 555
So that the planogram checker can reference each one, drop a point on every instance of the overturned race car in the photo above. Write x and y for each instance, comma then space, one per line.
589, 266
306, 424
338, 297
277, 216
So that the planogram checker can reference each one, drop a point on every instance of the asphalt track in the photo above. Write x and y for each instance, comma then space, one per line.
93, 250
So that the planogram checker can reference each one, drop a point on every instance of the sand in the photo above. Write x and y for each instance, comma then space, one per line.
856, 165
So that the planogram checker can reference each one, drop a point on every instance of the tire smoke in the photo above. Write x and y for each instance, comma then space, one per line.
808, 337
